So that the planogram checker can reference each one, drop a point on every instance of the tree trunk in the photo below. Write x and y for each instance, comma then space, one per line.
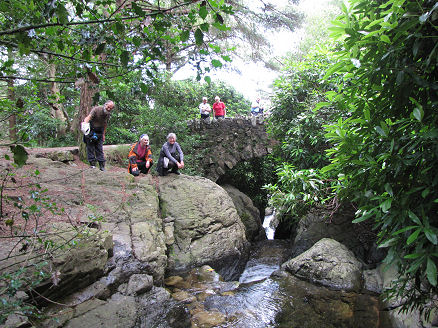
57, 108
88, 90
12, 117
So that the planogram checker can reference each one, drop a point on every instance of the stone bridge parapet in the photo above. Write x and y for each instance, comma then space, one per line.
225, 142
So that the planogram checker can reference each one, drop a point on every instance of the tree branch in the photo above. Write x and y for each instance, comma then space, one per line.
61, 55
97, 21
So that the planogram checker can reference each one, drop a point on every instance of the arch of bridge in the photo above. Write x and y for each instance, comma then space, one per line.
225, 142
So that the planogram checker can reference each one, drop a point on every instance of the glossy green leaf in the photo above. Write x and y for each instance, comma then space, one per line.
216, 63
380, 131
221, 27
431, 236
404, 230
124, 57
418, 114
203, 12
431, 272
413, 237
414, 218
199, 37
385, 38
387, 243
388, 189
184, 35
386, 205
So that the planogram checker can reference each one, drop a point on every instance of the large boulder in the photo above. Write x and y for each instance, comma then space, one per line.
322, 223
74, 257
328, 263
248, 213
207, 228
128, 208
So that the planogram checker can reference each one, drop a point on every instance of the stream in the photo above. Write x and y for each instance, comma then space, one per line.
264, 297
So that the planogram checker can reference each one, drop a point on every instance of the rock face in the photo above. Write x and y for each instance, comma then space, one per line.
151, 224
229, 141
328, 263
207, 228
249, 214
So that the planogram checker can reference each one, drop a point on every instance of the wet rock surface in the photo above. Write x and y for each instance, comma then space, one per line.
207, 228
328, 263
248, 213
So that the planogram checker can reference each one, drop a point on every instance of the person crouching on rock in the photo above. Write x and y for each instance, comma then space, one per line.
140, 156
171, 157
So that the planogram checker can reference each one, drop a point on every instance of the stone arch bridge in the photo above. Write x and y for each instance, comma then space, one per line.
225, 142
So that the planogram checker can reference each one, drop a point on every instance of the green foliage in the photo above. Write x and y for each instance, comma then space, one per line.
297, 191
385, 144
83, 40
184, 97
250, 177
80, 31
15, 282
295, 119
35, 121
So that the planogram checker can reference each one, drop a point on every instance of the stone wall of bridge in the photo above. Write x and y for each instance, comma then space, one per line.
225, 142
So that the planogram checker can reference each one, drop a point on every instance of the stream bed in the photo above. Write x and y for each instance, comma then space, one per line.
265, 297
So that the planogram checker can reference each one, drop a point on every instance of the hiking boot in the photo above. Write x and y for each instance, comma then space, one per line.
93, 165
102, 166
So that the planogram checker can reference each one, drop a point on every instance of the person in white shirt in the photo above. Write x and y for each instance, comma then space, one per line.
257, 107
204, 108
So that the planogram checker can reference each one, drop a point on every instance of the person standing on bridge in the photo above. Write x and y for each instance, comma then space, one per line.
219, 108
171, 157
204, 108
98, 121
257, 107
140, 157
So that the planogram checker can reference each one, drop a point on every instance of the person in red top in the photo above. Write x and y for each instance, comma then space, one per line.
140, 157
219, 108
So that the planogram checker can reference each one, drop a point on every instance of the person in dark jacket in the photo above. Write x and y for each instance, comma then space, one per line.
140, 156
98, 119
171, 157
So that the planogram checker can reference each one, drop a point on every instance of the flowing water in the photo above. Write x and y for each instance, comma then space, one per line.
267, 297
267, 225
257, 300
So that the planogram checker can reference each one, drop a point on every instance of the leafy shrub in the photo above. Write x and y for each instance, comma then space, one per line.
385, 143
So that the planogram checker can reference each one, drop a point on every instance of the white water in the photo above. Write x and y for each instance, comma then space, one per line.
267, 226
